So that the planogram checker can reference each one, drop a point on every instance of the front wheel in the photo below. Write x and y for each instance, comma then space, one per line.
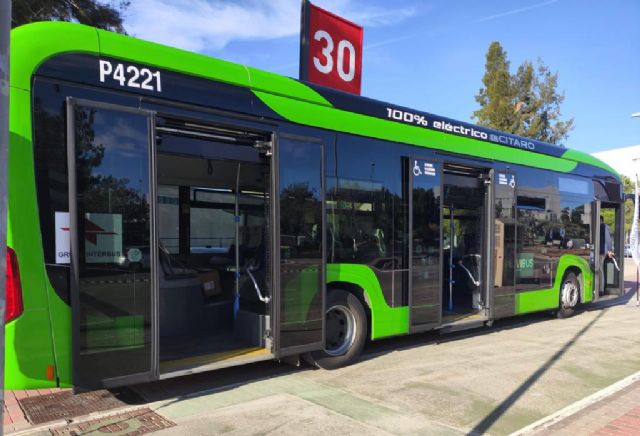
569, 295
345, 331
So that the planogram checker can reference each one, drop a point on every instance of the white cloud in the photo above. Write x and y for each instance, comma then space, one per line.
515, 11
209, 25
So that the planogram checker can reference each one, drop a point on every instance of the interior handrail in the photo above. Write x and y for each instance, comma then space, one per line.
473, 279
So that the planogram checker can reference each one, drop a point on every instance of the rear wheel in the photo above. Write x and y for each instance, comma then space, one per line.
345, 331
569, 295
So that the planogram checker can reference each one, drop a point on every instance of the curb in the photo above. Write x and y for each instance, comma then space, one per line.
579, 405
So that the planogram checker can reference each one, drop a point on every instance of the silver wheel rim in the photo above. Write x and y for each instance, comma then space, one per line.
341, 330
569, 295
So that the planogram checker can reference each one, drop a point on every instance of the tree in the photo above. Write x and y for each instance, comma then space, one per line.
91, 12
496, 98
526, 103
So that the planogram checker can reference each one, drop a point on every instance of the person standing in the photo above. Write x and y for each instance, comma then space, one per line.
606, 251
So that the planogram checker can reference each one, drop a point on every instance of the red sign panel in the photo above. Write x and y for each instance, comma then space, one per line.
334, 56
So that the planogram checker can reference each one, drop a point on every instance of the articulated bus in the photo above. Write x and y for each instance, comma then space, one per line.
171, 213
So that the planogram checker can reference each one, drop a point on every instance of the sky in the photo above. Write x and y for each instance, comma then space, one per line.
429, 54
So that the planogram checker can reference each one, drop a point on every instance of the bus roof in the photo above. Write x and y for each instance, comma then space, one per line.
294, 100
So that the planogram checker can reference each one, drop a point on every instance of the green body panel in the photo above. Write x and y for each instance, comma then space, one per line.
61, 332
115, 333
28, 351
145, 52
29, 347
580, 156
385, 320
534, 301
301, 291
33, 44
350, 122
547, 299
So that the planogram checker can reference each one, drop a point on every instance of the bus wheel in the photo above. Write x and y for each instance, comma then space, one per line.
345, 331
569, 295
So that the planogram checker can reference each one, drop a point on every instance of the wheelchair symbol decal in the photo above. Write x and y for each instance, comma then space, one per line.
428, 169
416, 169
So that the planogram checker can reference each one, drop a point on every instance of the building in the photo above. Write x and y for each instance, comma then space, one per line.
625, 160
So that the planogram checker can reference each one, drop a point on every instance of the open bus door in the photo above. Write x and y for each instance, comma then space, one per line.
299, 249
112, 242
608, 272
503, 243
425, 217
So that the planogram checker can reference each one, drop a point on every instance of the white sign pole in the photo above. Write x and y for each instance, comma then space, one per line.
634, 241
5, 31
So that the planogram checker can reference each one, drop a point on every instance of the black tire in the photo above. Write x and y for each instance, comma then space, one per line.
344, 311
569, 295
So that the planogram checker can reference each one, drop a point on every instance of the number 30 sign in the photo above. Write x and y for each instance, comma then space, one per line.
331, 50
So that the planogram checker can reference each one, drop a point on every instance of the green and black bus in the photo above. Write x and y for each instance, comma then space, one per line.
171, 213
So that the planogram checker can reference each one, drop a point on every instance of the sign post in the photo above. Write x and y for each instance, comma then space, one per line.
5, 31
330, 49
634, 240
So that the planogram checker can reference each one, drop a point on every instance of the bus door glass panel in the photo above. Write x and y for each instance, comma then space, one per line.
535, 239
504, 245
301, 269
613, 222
425, 242
111, 244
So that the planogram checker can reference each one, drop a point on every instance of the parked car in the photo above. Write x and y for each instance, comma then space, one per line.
627, 250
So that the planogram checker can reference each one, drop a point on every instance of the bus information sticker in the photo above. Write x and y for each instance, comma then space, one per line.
422, 168
507, 180
63, 250
103, 238
525, 265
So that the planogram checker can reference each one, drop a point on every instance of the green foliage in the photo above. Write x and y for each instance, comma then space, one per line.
608, 215
526, 103
629, 188
496, 98
91, 12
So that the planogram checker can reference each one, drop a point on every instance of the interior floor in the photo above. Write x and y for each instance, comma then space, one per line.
229, 356
200, 343
448, 317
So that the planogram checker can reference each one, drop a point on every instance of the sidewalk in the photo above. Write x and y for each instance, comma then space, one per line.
618, 413
14, 418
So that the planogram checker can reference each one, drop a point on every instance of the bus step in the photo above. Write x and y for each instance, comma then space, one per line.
462, 325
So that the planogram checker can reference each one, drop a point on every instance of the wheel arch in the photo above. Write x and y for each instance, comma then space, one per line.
361, 281
580, 267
